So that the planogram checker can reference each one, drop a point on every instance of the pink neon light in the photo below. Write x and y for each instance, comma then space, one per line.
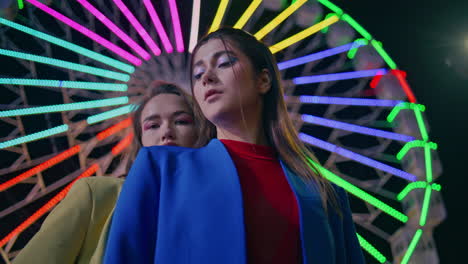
159, 27
401, 75
176, 25
83, 30
114, 28
139, 28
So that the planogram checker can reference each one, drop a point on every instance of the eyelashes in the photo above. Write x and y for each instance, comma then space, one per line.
223, 64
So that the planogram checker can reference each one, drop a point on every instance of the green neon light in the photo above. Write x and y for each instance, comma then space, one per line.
412, 247
325, 29
425, 207
428, 159
68, 65
436, 187
422, 126
354, 190
410, 187
378, 47
110, 114
35, 136
417, 185
405, 105
414, 144
20, 4
118, 87
332, 7
352, 52
65, 107
371, 249
70, 46
356, 26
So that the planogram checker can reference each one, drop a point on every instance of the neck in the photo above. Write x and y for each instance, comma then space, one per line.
249, 130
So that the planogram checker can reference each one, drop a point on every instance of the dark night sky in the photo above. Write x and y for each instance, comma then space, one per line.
422, 36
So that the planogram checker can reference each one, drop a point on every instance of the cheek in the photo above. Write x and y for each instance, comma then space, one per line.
197, 93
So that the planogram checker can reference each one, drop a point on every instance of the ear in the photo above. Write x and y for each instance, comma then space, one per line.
264, 81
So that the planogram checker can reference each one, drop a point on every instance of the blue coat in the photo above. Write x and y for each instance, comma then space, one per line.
182, 205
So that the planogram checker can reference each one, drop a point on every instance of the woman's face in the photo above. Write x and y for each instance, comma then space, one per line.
224, 81
167, 120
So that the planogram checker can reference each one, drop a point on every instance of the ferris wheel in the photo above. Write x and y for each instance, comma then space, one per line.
71, 72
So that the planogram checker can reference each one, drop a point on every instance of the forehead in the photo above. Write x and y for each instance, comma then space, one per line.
213, 46
164, 105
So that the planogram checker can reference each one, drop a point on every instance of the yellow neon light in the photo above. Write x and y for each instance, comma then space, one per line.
247, 14
303, 34
219, 15
279, 19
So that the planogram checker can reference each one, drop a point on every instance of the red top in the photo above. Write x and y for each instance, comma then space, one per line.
271, 215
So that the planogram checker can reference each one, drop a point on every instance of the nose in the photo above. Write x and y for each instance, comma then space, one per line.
209, 78
167, 133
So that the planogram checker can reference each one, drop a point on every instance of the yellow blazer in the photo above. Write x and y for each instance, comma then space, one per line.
76, 230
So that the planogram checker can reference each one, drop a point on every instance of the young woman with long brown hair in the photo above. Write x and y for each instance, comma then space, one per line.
249, 196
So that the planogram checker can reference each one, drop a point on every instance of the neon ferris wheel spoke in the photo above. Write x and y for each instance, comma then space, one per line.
303, 34
247, 14
85, 31
219, 15
35, 136
336, 76
319, 55
356, 157
67, 65
116, 87
279, 19
308, 99
115, 29
356, 191
70, 46
158, 25
65, 107
139, 28
176, 25
355, 128
194, 25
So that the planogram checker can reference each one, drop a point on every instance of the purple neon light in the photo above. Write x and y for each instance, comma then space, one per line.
139, 28
356, 157
319, 55
306, 99
114, 28
337, 76
83, 30
176, 25
355, 128
158, 25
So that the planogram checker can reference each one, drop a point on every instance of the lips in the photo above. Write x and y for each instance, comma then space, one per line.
171, 143
211, 92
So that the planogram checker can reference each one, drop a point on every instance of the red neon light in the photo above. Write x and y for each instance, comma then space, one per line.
401, 76
114, 129
125, 142
43, 166
375, 81
45, 208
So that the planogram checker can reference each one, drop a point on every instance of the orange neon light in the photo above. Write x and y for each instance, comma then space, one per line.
114, 129
125, 142
45, 208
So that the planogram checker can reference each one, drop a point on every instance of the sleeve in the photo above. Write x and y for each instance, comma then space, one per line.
133, 231
63, 232
353, 249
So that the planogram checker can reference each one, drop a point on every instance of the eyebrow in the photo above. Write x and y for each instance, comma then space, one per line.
175, 114
216, 55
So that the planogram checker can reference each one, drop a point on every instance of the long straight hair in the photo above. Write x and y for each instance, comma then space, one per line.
278, 127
